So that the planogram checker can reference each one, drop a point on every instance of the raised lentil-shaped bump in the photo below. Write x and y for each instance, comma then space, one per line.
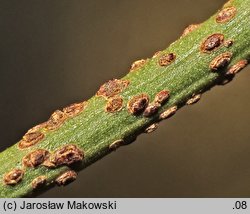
168, 113
39, 182
151, 109
162, 97
228, 43
114, 104
212, 42
137, 64
138, 103
237, 67
35, 158
37, 128
66, 178
13, 177
67, 155
112, 88
220, 61
226, 14
74, 109
194, 99
166, 59
30, 139
56, 120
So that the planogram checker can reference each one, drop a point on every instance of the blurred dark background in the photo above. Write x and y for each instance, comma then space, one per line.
53, 53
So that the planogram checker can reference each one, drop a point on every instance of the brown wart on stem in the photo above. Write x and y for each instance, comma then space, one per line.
39, 182
112, 88
237, 67
220, 61
137, 64
168, 113
66, 178
189, 29
114, 104
194, 99
226, 14
228, 43
166, 59
66, 155
74, 109
30, 139
37, 127
56, 120
138, 103
156, 54
116, 144
151, 128
212, 42
151, 109
13, 177
35, 158
162, 97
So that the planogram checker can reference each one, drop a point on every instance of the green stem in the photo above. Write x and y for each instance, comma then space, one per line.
117, 114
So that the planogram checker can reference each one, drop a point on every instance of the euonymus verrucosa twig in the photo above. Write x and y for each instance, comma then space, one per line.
205, 55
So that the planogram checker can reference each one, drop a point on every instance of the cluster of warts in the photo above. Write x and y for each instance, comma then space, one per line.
164, 115
139, 104
214, 41
35, 134
211, 43
110, 91
66, 155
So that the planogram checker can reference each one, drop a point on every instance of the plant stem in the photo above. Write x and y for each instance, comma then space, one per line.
205, 55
